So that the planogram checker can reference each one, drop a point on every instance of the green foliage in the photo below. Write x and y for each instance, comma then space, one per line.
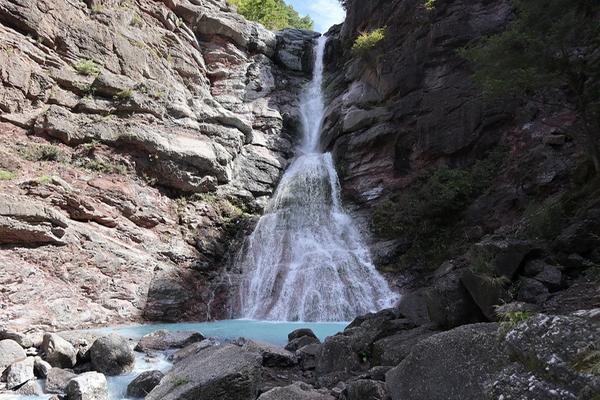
45, 179
181, 382
482, 263
544, 221
589, 360
510, 319
123, 95
429, 5
42, 152
427, 212
273, 14
87, 67
136, 21
367, 41
552, 45
106, 167
6, 175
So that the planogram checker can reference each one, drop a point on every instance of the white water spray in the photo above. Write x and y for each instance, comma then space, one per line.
305, 260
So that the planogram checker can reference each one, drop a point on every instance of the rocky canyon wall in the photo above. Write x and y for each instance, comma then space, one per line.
450, 184
138, 139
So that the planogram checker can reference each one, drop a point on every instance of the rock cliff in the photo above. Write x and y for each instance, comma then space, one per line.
466, 199
137, 140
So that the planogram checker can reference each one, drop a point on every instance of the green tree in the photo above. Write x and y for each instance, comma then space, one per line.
273, 14
552, 45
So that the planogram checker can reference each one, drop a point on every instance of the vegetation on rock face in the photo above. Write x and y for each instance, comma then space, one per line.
367, 41
42, 152
426, 212
6, 175
87, 67
510, 319
551, 46
273, 14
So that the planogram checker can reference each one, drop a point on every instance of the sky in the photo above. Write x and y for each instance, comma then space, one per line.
323, 12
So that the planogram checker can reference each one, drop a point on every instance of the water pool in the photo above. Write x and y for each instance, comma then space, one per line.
266, 331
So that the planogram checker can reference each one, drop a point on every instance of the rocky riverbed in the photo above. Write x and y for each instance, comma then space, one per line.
376, 357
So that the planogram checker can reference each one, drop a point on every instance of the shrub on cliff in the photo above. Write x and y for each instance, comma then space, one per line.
273, 14
367, 41
552, 45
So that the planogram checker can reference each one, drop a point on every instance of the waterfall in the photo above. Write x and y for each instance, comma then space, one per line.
305, 260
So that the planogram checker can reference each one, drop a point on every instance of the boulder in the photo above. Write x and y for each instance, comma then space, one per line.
486, 292
41, 367
144, 383
448, 301
296, 391
19, 372
307, 356
112, 355
302, 332
413, 305
362, 389
163, 340
23, 340
507, 253
10, 352
190, 350
225, 372
532, 291
301, 341
453, 365
57, 380
272, 356
550, 276
88, 386
58, 352
550, 352
31, 388
393, 349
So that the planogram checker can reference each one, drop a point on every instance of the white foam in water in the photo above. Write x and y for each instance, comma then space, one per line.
305, 260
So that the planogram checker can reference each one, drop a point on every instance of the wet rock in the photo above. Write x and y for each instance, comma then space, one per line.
163, 340
296, 391
298, 333
227, 372
10, 351
88, 386
57, 380
58, 352
112, 355
144, 383
451, 365
19, 372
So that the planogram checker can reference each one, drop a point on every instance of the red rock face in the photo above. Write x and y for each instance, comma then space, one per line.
113, 116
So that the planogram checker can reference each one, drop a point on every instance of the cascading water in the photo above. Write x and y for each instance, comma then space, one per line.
305, 260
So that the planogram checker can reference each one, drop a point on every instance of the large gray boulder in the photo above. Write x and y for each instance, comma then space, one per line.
272, 356
296, 391
112, 355
57, 380
226, 372
10, 351
19, 373
453, 365
393, 349
362, 389
554, 358
144, 383
163, 340
88, 386
58, 352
